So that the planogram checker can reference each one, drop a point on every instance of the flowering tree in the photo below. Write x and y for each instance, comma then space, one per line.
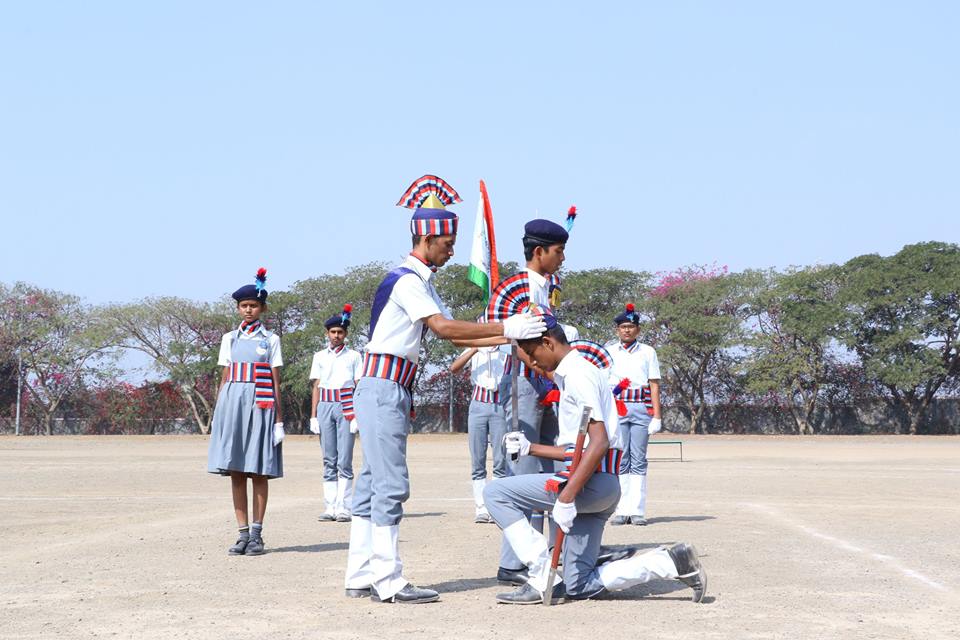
697, 319
62, 343
183, 340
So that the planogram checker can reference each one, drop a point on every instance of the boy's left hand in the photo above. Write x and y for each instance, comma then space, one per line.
278, 433
564, 514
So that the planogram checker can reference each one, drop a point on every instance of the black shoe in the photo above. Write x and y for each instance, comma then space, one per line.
608, 554
638, 521
689, 571
527, 594
512, 577
408, 595
619, 520
255, 547
239, 547
357, 593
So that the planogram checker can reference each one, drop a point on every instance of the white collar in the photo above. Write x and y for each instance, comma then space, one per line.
566, 364
422, 270
535, 277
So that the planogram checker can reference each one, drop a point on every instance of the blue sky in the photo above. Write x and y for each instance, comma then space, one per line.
172, 148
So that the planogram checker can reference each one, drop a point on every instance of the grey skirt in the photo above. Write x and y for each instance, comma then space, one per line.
241, 437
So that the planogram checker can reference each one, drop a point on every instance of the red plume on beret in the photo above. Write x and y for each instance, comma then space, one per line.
630, 307
348, 308
571, 216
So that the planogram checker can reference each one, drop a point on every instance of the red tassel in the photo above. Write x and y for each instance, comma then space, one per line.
621, 408
349, 417
552, 396
552, 485
265, 404
262, 273
630, 307
348, 308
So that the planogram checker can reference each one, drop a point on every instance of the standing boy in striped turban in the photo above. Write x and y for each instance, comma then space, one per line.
334, 373
405, 306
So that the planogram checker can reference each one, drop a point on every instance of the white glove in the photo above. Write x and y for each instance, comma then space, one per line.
354, 427
315, 425
523, 326
564, 514
278, 433
655, 425
516, 443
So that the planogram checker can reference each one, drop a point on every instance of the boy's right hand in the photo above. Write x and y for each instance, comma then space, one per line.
314, 425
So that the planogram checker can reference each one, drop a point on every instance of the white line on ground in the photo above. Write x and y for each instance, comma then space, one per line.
892, 562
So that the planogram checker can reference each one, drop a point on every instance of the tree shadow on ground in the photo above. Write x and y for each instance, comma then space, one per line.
312, 548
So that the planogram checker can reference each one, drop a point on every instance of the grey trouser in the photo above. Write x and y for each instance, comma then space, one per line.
634, 438
529, 416
508, 499
486, 420
336, 441
383, 411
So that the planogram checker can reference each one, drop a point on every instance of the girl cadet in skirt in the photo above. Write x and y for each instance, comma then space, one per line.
247, 423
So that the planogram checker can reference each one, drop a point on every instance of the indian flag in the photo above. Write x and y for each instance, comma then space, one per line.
483, 270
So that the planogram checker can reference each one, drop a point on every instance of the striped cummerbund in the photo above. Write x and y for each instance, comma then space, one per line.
389, 367
485, 395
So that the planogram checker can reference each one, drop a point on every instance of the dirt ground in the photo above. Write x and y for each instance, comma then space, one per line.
802, 538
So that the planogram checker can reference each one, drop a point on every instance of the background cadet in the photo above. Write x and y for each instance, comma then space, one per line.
247, 425
486, 419
639, 364
335, 372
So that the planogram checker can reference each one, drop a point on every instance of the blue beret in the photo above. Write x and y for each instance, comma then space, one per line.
337, 321
544, 232
629, 315
250, 292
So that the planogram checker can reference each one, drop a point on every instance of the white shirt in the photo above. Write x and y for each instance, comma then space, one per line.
539, 289
400, 327
640, 367
584, 385
486, 366
273, 346
334, 370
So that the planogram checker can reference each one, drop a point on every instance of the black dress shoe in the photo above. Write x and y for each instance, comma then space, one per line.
357, 593
408, 595
689, 571
608, 554
512, 577
527, 594
619, 520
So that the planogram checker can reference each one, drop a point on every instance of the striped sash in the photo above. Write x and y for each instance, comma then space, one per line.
261, 375
486, 395
610, 463
343, 396
390, 367
639, 395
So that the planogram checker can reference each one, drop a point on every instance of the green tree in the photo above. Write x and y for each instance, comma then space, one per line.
792, 351
182, 338
902, 318
592, 298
